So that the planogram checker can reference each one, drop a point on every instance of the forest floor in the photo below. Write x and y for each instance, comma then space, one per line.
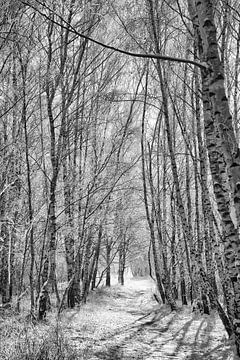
125, 322
121, 322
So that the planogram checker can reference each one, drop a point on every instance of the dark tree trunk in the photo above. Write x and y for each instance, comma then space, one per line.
108, 270
183, 292
121, 263
206, 309
96, 258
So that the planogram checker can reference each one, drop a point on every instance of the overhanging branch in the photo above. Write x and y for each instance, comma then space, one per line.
70, 28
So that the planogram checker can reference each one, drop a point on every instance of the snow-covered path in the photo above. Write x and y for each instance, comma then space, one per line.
127, 323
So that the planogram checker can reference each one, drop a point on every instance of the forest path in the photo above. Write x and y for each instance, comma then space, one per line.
125, 322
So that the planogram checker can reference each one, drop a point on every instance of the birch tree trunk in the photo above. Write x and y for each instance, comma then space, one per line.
223, 151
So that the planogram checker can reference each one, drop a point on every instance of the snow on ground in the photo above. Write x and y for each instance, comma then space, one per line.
125, 322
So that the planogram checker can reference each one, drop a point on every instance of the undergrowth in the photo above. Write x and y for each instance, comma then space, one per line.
21, 340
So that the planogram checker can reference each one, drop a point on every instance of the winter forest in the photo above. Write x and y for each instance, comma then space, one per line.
119, 179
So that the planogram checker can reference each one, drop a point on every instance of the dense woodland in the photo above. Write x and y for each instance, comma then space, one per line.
119, 140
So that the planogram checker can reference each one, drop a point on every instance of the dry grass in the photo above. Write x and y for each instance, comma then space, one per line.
22, 340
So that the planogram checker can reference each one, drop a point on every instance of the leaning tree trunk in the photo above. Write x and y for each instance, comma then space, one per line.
150, 217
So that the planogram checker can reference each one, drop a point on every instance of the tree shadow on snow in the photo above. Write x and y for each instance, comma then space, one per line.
182, 341
144, 334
